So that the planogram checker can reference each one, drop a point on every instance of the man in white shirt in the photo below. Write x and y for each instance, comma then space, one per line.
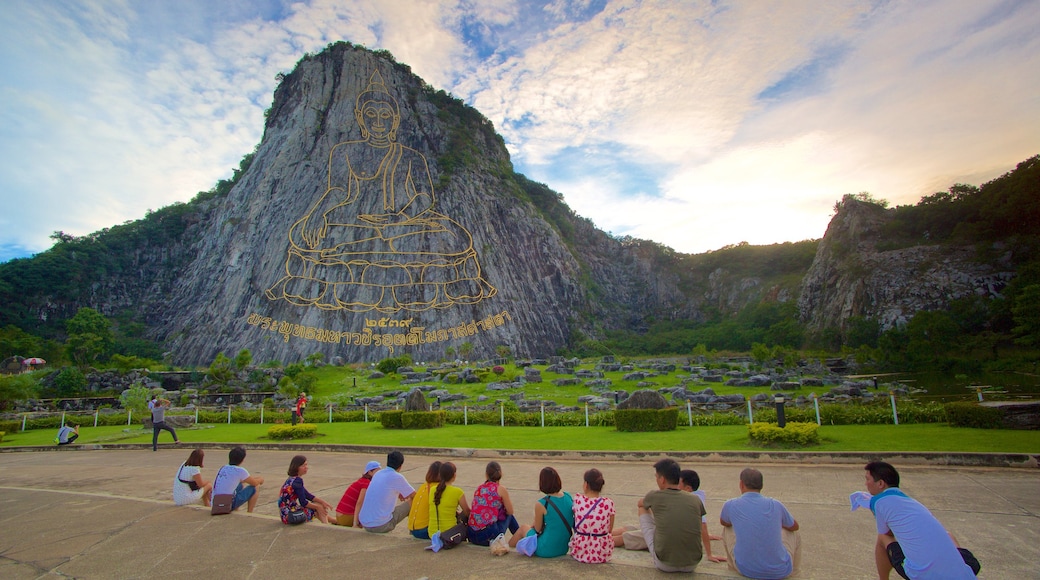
376, 505
235, 480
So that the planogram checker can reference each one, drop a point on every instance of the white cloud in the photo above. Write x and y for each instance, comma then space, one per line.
116, 107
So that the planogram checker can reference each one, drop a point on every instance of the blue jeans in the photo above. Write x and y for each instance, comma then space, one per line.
484, 536
242, 495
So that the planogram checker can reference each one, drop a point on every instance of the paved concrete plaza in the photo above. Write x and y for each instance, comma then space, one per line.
101, 513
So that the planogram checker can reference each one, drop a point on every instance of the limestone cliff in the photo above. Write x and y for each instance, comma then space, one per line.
854, 275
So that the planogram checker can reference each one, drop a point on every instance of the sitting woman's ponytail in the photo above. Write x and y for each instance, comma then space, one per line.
447, 474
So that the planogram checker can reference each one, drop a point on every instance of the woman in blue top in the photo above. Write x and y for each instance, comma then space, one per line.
553, 517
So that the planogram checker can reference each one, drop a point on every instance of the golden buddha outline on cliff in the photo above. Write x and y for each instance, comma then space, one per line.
373, 240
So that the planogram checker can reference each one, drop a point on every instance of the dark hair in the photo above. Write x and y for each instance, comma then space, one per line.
594, 478
549, 481
295, 464
433, 474
236, 455
493, 471
668, 468
751, 478
447, 472
690, 478
195, 458
881, 471
394, 460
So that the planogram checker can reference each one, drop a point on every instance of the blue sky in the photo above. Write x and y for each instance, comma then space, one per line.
694, 124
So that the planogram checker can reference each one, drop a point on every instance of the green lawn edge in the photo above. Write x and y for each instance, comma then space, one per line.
836, 438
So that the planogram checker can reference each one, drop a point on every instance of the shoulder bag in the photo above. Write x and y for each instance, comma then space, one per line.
223, 503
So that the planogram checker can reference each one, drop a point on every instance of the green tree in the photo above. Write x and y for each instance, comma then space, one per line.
503, 351
14, 388
761, 353
221, 370
136, 398
1027, 316
314, 358
465, 349
89, 337
861, 331
288, 389
70, 382
243, 359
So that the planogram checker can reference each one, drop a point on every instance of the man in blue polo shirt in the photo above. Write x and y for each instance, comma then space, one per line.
910, 539
759, 533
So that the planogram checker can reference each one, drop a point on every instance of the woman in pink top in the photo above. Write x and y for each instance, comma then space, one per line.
492, 512
591, 542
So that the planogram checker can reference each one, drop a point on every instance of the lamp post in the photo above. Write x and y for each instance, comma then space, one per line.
781, 421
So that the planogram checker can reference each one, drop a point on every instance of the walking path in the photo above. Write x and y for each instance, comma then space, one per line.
99, 513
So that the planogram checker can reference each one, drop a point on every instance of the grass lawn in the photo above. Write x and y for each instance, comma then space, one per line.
916, 437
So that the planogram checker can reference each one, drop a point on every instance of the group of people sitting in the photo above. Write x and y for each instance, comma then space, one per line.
759, 534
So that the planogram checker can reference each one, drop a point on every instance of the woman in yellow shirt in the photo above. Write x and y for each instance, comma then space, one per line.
446, 502
419, 516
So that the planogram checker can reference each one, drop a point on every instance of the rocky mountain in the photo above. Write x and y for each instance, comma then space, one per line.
379, 216
853, 274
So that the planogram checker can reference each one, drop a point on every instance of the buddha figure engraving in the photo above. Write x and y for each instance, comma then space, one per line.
373, 240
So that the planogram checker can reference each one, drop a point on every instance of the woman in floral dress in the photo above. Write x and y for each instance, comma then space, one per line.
593, 522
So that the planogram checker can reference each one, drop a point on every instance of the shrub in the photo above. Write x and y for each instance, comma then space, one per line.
70, 381
793, 434
2, 436
646, 419
390, 365
301, 431
422, 419
964, 414
498, 370
392, 419
11, 426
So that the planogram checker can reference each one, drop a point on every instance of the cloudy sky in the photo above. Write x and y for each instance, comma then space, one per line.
692, 123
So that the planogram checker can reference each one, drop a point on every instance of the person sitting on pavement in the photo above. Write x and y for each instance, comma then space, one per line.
553, 518
447, 503
295, 496
376, 511
233, 479
419, 515
759, 534
67, 434
910, 539
690, 482
670, 521
345, 510
188, 486
593, 522
492, 510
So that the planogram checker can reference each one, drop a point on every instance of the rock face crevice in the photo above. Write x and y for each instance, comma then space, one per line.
851, 276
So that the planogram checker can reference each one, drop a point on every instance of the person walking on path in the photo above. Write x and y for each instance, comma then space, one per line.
158, 408
759, 534
910, 539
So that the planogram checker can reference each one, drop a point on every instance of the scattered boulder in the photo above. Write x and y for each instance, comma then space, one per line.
644, 399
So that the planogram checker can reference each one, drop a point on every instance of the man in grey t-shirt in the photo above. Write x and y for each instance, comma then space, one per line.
158, 407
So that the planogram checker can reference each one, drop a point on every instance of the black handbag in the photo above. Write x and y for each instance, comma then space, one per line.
296, 517
454, 535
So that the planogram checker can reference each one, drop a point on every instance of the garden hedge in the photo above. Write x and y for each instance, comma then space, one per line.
771, 434
301, 431
422, 419
966, 414
646, 419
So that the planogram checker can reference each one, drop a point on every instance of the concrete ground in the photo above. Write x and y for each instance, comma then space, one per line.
102, 513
